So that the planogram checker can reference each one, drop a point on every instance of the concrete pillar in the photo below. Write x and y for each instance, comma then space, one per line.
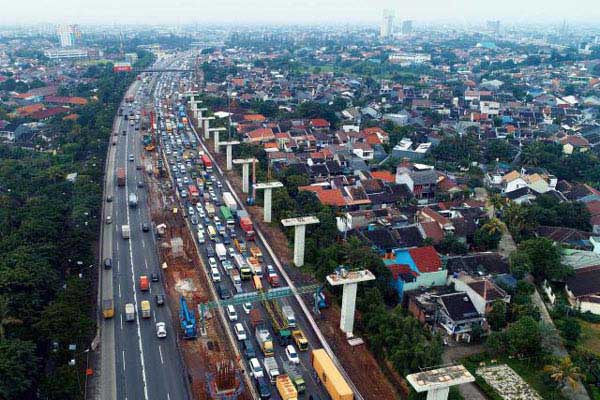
229, 153
348, 308
245, 178
267, 205
216, 138
438, 394
206, 127
299, 234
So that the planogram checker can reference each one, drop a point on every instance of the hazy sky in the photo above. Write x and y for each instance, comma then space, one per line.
282, 11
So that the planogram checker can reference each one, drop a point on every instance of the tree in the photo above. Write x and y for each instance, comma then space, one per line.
495, 344
564, 372
5, 318
17, 368
545, 259
496, 317
489, 235
570, 329
524, 337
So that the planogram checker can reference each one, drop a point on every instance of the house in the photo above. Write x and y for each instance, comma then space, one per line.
421, 180
405, 149
482, 291
457, 315
583, 289
574, 144
260, 135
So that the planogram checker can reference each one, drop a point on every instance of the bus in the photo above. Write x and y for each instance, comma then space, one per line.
242, 266
257, 283
227, 217
206, 162
212, 232
194, 193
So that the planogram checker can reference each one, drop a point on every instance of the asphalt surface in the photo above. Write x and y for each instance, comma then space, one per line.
312, 387
136, 364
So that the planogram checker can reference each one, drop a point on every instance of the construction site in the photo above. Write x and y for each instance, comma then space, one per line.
212, 368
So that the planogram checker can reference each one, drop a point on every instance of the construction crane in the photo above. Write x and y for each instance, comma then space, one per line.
263, 296
187, 319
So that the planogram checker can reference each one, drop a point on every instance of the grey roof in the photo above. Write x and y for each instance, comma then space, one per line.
424, 177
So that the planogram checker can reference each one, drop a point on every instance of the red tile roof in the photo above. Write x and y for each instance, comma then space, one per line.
328, 197
386, 176
66, 100
319, 123
254, 117
593, 207
426, 259
433, 230
397, 269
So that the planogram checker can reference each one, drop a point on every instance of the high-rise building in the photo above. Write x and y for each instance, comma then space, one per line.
68, 35
387, 24
493, 26
407, 27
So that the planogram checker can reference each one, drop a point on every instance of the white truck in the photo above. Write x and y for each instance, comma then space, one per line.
221, 251
125, 231
288, 312
272, 368
234, 274
229, 201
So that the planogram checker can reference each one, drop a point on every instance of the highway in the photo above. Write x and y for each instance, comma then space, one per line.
136, 364
173, 152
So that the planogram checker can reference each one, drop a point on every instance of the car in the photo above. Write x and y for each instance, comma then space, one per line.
154, 277
145, 227
248, 347
226, 240
194, 220
247, 307
108, 219
270, 270
161, 330
140, 184
191, 210
160, 299
227, 265
215, 274
240, 332
109, 199
224, 293
219, 185
231, 314
255, 367
264, 388
292, 354
131, 159
124, 132
107, 263
201, 238
210, 253
138, 167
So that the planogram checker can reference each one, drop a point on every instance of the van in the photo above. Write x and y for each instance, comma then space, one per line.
264, 388
145, 309
231, 314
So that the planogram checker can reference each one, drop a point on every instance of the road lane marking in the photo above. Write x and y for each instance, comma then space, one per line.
146, 263
119, 289
168, 396
153, 315
143, 245
160, 353
123, 360
117, 266
117, 245
121, 321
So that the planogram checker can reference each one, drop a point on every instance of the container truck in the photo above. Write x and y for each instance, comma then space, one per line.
145, 309
248, 228
271, 368
129, 312
330, 376
144, 283
210, 209
256, 318
286, 388
121, 177
229, 201
263, 337
293, 371
125, 231
227, 216
288, 312
221, 251
133, 200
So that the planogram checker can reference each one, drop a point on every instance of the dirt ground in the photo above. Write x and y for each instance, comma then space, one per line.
358, 361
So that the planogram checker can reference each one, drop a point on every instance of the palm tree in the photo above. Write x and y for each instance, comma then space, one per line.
565, 373
494, 227
497, 202
6, 319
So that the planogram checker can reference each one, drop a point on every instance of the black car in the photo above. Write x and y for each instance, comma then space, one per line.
107, 263
264, 388
124, 132
210, 252
145, 227
109, 199
160, 299
224, 293
249, 351
138, 167
154, 277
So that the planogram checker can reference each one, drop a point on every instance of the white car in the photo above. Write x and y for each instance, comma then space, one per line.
215, 275
291, 354
230, 251
212, 262
191, 210
231, 314
240, 332
247, 307
201, 238
255, 369
161, 330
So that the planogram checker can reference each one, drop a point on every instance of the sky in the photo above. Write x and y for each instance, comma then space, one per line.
291, 11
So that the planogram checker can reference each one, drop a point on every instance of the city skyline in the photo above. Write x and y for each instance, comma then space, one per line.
261, 11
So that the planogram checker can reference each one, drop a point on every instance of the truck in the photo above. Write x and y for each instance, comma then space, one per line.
242, 266
206, 162
295, 374
330, 376
121, 177
227, 216
256, 318
288, 312
263, 337
278, 321
144, 283
221, 251
133, 200
145, 309
300, 339
125, 231
256, 253
108, 308
286, 388
210, 209
240, 245
234, 275
229, 201
129, 312
273, 280
255, 265
248, 228
271, 368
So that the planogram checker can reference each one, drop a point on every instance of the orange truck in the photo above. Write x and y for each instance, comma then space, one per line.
144, 283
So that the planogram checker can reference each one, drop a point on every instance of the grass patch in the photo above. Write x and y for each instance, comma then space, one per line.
590, 337
530, 372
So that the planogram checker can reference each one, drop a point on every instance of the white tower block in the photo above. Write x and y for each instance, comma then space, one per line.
268, 188
216, 136
245, 162
228, 150
437, 382
299, 225
350, 280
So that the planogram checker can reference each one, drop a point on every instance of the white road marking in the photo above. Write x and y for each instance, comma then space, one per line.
168, 396
117, 266
123, 360
117, 245
154, 316
119, 289
121, 322
160, 354
146, 263
143, 244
